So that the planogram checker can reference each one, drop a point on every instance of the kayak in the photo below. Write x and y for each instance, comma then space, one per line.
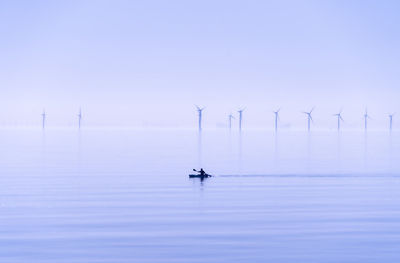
199, 176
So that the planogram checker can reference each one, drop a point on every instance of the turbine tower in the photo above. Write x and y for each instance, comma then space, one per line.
230, 121
240, 118
43, 119
391, 121
79, 117
276, 119
309, 118
200, 111
339, 119
366, 117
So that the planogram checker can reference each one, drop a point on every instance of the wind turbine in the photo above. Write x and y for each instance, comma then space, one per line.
391, 120
200, 111
366, 117
276, 119
79, 117
339, 119
309, 118
230, 121
240, 118
43, 118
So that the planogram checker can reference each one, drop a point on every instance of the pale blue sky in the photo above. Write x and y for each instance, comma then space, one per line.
135, 62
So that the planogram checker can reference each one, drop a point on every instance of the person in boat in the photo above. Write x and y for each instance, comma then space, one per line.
202, 173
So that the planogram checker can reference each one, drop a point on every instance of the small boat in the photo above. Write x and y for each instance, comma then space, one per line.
199, 176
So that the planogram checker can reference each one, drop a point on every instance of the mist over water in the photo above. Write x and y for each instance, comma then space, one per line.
102, 194
120, 195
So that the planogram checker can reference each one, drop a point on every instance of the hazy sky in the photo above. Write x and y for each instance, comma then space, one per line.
149, 62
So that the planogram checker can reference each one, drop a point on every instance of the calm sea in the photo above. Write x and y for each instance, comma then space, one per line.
109, 195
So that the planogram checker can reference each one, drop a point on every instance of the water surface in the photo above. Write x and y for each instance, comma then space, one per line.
124, 196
